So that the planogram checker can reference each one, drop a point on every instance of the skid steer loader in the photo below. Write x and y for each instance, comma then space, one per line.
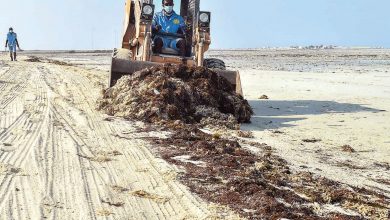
136, 52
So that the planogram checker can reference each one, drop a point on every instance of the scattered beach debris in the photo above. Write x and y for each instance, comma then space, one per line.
217, 135
383, 165
311, 140
189, 159
189, 95
111, 153
383, 181
104, 212
35, 59
113, 203
7, 169
7, 147
263, 183
101, 157
108, 119
151, 196
119, 189
57, 62
245, 134
348, 148
264, 97
349, 164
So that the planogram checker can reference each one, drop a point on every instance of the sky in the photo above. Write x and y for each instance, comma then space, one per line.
97, 24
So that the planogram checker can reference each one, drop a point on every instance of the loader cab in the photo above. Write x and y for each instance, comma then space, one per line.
189, 12
138, 37
168, 51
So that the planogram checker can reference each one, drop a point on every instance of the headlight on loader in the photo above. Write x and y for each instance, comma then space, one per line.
204, 19
147, 11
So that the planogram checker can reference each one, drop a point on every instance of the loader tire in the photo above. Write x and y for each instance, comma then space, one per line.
123, 54
213, 63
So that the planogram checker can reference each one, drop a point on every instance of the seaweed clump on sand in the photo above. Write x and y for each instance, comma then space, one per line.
171, 93
33, 59
262, 185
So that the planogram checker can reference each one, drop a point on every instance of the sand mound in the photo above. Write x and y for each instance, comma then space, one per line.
170, 93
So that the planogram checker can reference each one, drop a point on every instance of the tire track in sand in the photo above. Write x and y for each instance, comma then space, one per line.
12, 83
102, 136
70, 171
128, 169
21, 135
55, 190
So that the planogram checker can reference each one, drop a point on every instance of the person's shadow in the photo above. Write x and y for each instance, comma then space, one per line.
268, 114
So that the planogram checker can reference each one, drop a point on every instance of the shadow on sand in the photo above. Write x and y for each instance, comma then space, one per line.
269, 114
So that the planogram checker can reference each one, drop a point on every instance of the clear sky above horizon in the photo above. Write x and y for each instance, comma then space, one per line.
97, 24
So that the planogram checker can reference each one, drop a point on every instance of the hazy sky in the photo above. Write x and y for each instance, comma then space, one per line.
97, 24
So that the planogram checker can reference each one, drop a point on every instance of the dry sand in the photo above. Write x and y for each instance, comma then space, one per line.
61, 159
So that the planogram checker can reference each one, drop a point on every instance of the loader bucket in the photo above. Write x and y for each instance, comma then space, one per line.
233, 77
122, 67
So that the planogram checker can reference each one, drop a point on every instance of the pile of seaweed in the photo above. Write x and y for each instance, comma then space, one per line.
191, 95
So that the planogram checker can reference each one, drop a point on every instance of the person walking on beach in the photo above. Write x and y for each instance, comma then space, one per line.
12, 43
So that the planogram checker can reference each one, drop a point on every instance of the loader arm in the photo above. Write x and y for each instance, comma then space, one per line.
136, 31
129, 29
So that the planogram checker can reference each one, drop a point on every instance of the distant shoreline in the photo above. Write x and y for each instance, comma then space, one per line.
67, 51
225, 49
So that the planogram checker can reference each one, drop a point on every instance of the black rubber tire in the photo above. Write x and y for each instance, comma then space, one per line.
124, 54
213, 63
